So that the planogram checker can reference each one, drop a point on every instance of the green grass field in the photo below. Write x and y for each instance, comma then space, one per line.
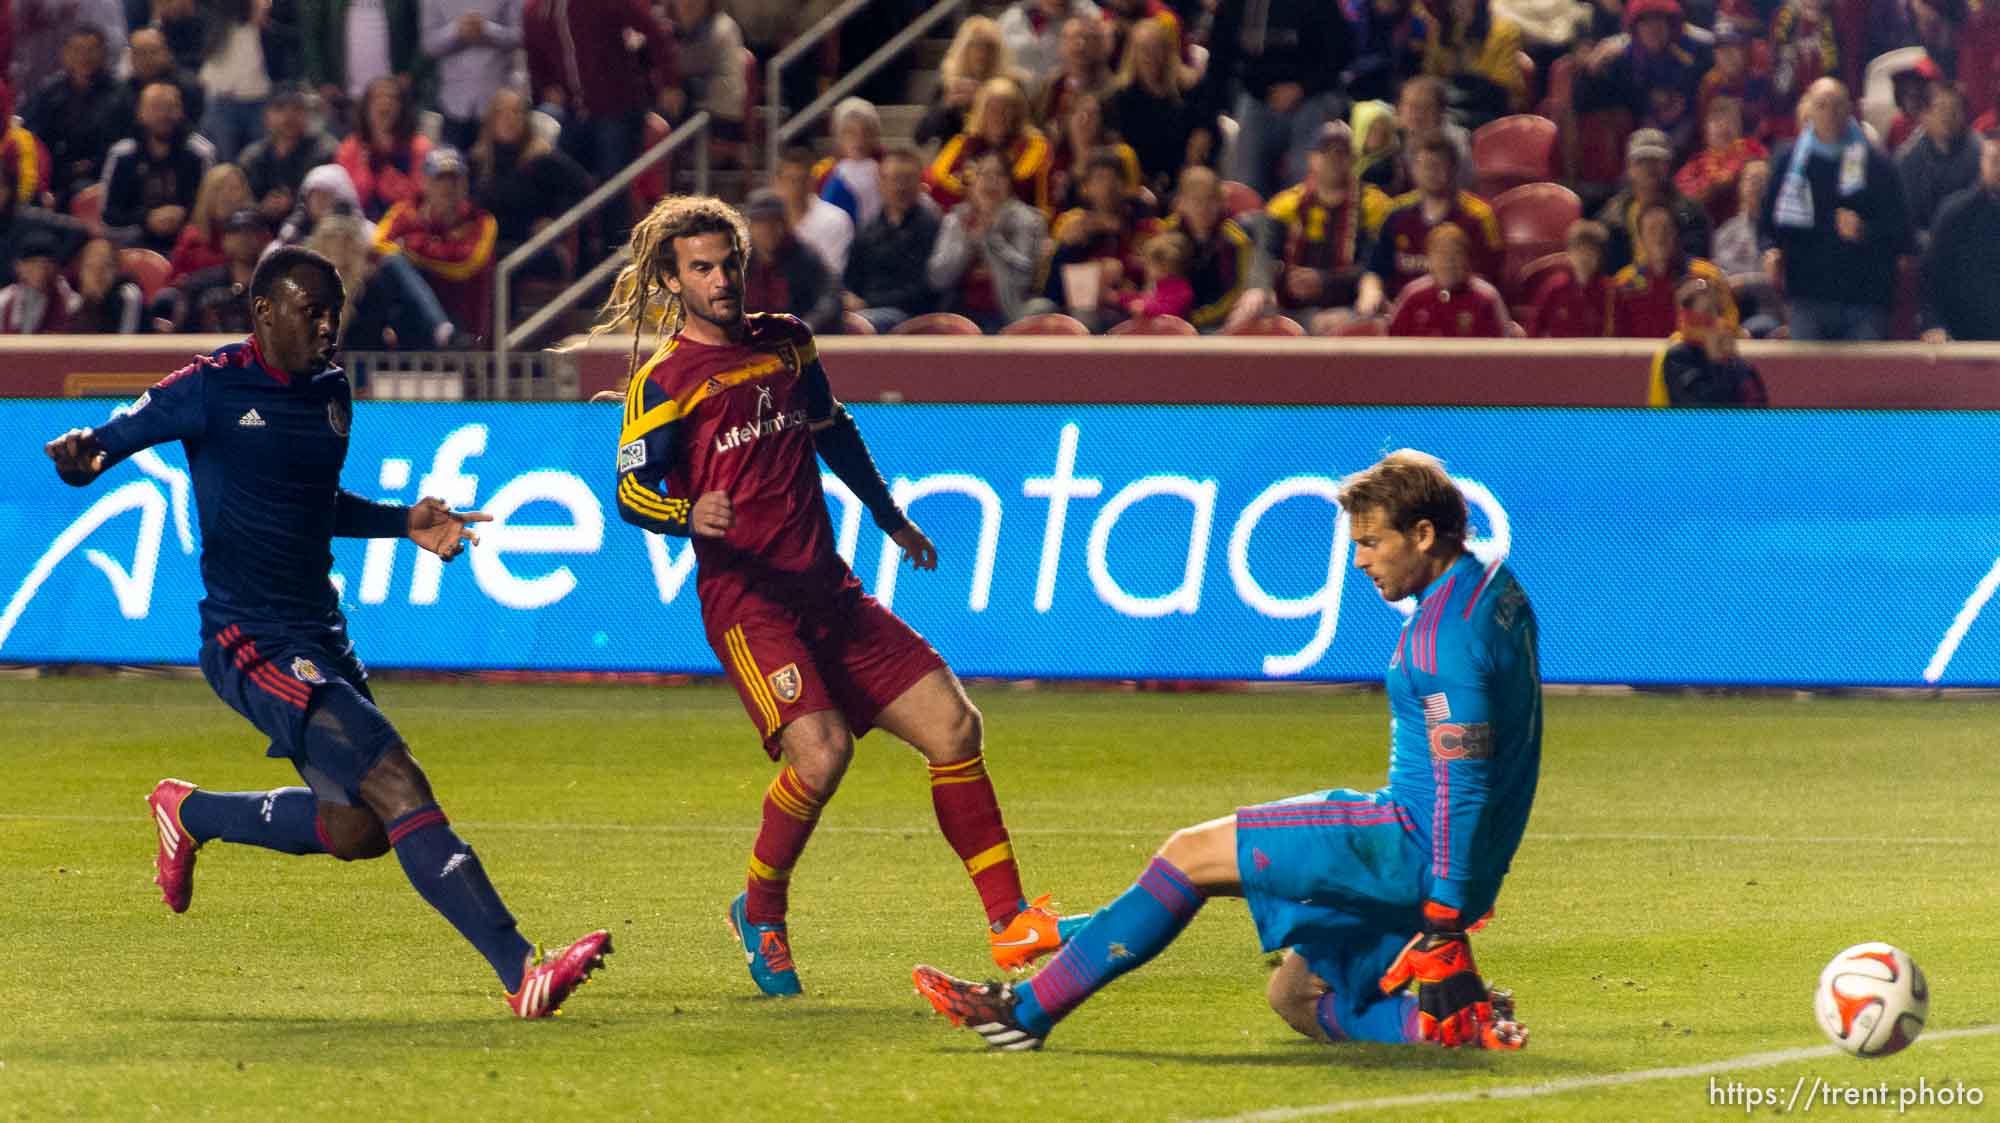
1691, 864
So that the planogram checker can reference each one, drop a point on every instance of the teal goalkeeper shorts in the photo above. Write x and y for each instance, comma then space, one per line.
1336, 875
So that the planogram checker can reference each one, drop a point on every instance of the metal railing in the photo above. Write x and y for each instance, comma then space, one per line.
804, 119
505, 340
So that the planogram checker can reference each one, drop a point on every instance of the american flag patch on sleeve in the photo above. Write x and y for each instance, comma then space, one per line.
1437, 709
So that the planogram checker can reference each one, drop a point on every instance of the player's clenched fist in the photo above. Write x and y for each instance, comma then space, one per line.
713, 515
78, 456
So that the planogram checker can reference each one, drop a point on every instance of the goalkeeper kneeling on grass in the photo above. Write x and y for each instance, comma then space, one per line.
1371, 893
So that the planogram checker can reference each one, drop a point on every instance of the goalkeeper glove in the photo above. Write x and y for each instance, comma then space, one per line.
1453, 1005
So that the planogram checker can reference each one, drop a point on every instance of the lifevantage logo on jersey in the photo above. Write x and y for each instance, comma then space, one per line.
728, 440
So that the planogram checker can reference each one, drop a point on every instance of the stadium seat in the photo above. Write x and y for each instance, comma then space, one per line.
1240, 198
1512, 151
1530, 278
1534, 220
149, 269
1048, 323
936, 323
1266, 325
854, 323
1362, 328
88, 204
1154, 325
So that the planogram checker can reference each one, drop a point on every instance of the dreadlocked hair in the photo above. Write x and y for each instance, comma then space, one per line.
640, 295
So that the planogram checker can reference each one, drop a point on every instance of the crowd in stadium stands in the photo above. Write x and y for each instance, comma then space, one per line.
1461, 168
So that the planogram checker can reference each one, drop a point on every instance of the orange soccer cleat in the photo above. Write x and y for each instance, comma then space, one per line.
1034, 932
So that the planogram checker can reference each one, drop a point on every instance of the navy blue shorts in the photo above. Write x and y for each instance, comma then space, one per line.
280, 682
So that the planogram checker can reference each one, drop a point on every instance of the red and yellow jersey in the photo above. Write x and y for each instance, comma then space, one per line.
1473, 310
738, 419
1644, 306
1028, 164
1399, 258
1318, 236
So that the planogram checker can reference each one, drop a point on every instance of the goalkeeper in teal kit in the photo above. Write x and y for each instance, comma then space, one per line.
1371, 893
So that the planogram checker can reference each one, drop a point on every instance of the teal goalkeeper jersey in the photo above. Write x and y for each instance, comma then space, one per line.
1465, 727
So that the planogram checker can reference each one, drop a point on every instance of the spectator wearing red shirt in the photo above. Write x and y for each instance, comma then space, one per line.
1399, 254
581, 60
1448, 301
448, 239
1710, 177
1576, 302
1106, 229
224, 191
384, 155
1645, 307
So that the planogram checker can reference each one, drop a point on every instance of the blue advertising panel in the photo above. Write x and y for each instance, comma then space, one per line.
1112, 542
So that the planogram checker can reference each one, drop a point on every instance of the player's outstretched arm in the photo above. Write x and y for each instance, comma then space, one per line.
78, 456
433, 525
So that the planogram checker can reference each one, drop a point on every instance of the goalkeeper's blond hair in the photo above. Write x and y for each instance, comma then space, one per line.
640, 296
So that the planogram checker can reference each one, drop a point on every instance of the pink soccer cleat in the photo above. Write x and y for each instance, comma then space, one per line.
175, 861
551, 979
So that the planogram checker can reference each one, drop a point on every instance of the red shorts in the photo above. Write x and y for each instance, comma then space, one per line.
848, 654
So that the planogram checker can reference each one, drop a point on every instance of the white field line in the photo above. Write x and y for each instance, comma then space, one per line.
750, 827
1743, 1063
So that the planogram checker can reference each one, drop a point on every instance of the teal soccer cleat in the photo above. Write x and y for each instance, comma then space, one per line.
766, 949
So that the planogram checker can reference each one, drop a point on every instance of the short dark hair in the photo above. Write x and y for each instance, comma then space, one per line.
798, 155
905, 152
1408, 486
279, 264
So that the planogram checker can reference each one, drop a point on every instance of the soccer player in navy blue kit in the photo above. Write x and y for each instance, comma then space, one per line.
1369, 892
265, 425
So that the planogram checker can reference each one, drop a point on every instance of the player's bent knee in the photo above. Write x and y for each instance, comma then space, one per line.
820, 755
1206, 853
352, 834
1294, 993
396, 786
961, 737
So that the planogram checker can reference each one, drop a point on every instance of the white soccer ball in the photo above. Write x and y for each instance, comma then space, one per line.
1872, 1000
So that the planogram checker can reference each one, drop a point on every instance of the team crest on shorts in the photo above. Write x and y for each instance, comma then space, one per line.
305, 670
785, 682
337, 416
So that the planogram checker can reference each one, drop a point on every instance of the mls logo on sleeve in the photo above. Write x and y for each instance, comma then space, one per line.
785, 683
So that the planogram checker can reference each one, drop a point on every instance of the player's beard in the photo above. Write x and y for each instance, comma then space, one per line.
704, 310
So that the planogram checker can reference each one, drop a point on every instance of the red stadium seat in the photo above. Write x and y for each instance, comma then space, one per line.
88, 204
1048, 323
1266, 325
936, 323
854, 323
146, 267
1240, 198
1512, 151
1530, 278
1154, 325
1360, 328
1534, 220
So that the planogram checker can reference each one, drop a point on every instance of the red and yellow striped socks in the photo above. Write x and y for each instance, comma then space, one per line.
968, 812
790, 813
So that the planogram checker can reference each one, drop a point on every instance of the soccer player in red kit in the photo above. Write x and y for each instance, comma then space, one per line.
723, 430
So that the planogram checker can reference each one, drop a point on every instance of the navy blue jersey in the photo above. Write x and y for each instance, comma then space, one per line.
265, 450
